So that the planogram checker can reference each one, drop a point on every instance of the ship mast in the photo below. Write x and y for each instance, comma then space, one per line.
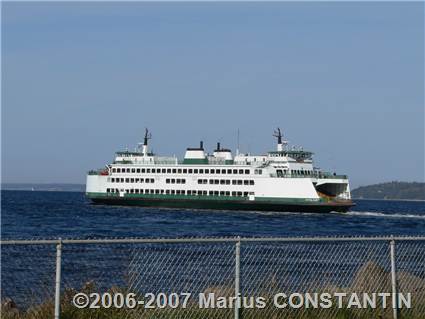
280, 142
148, 136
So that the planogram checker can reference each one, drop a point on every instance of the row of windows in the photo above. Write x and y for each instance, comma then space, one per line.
180, 192
226, 181
132, 180
175, 181
180, 170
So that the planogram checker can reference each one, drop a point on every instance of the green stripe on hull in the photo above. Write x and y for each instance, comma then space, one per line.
230, 203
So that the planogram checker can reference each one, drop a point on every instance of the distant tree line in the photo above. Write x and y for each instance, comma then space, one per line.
391, 190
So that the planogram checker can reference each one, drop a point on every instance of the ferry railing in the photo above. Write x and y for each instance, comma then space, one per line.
41, 277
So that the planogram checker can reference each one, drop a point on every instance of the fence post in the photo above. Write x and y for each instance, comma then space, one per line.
394, 279
58, 278
237, 276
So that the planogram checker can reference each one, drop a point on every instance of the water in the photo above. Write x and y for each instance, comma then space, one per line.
28, 214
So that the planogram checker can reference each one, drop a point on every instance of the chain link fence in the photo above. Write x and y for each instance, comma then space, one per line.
275, 277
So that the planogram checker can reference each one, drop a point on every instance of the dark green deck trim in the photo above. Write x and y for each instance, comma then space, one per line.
230, 203
195, 161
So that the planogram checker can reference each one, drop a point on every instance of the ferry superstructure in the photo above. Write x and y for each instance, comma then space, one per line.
281, 180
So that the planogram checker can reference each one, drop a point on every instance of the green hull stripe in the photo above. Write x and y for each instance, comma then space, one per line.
304, 201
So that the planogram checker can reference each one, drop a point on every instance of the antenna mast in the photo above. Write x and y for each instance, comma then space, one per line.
237, 149
148, 136
278, 134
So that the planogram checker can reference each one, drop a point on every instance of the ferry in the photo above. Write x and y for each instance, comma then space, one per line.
284, 180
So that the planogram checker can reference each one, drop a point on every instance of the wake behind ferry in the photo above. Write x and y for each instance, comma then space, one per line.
282, 180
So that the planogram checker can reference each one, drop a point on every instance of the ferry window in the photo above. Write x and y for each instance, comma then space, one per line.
239, 182
143, 170
163, 171
210, 193
185, 171
216, 193
168, 170
222, 182
113, 180
122, 180
126, 191
148, 170
193, 192
107, 190
229, 171
141, 180
113, 170
167, 181
260, 171
223, 171
212, 171
138, 170
179, 171
246, 182
251, 182
233, 181
153, 170
132, 180
216, 181
173, 181
217, 171
227, 193
207, 171
221, 193
127, 180
152, 180
133, 170
247, 171
235, 171
245, 194
173, 191
156, 191
178, 180
118, 170
241, 171
167, 191
190, 171
136, 191
227, 181
195, 171
211, 181
183, 192
162, 191
183, 181
147, 180
174, 170
201, 171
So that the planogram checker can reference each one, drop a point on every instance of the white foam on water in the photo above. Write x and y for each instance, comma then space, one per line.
385, 215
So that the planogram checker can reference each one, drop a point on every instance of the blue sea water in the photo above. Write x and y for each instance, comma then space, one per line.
27, 214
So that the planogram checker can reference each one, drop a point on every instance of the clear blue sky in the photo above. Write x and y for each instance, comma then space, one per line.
82, 80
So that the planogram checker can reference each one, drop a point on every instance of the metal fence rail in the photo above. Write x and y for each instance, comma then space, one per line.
41, 277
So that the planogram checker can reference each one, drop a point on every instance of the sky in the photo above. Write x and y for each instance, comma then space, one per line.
82, 80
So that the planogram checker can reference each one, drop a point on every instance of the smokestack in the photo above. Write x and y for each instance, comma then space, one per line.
218, 146
201, 145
